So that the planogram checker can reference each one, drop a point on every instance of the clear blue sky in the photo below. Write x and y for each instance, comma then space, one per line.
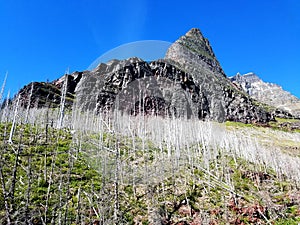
40, 40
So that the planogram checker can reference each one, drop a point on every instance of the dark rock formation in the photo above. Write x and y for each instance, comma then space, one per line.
43, 94
48, 93
136, 86
285, 103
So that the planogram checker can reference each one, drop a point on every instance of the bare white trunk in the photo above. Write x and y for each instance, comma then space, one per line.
3, 87
62, 102
28, 103
14, 120
5, 111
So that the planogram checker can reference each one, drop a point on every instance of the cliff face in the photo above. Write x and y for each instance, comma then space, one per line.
268, 93
136, 86
193, 54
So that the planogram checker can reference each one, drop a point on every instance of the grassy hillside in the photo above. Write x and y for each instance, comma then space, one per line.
145, 171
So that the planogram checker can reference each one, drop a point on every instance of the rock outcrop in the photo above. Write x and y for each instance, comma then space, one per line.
286, 104
47, 94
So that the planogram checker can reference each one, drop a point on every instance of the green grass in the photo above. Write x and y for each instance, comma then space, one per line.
281, 120
237, 124
284, 124
56, 174
276, 125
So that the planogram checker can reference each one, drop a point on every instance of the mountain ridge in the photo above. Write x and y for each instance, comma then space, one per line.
204, 88
268, 93
199, 86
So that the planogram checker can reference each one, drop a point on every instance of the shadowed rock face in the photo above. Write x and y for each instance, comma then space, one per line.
270, 94
135, 86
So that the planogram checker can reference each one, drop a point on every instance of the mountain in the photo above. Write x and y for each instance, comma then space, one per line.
188, 82
193, 54
268, 93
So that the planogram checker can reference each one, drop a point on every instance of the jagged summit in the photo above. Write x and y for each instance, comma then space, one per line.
198, 43
193, 54
116, 64
195, 40
195, 33
248, 77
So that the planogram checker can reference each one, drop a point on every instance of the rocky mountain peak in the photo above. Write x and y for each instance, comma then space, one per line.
193, 47
245, 78
195, 33
268, 93
193, 54
197, 42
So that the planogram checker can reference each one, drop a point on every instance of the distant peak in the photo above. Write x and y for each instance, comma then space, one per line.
248, 77
249, 74
246, 74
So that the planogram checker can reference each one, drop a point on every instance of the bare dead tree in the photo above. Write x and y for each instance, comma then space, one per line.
5, 110
28, 192
17, 152
78, 214
70, 167
60, 203
116, 184
4, 188
28, 104
3, 178
63, 102
14, 120
50, 183
3, 87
